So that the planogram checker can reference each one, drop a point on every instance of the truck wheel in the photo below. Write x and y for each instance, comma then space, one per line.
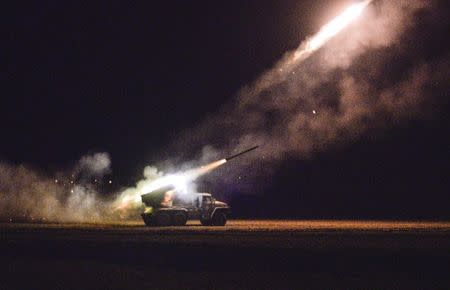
147, 220
205, 222
163, 219
219, 219
179, 219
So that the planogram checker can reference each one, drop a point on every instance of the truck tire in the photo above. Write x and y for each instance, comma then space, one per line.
148, 220
163, 219
205, 222
219, 219
179, 219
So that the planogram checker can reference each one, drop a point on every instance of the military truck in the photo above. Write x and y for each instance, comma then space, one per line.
167, 207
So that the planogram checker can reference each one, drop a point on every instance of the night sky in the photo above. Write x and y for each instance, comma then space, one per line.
126, 78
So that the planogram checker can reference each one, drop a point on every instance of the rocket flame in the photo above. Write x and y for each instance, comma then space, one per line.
331, 29
194, 173
286, 66
179, 181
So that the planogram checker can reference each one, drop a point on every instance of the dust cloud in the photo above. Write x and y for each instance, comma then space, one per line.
69, 196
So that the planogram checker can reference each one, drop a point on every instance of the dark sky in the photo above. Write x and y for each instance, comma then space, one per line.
126, 77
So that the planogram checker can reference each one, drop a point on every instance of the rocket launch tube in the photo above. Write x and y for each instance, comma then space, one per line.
241, 153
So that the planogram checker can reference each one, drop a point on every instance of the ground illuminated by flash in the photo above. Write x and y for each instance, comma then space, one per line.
256, 226
307, 234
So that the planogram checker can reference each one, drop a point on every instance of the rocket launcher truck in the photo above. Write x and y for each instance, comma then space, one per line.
166, 207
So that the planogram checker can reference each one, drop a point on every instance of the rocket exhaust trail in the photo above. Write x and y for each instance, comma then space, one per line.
309, 46
329, 30
196, 172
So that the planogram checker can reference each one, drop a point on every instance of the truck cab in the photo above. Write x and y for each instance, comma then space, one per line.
211, 211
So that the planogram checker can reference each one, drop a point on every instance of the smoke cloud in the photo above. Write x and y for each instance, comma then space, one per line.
95, 165
25, 194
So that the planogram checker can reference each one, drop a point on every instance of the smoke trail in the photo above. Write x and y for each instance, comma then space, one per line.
340, 92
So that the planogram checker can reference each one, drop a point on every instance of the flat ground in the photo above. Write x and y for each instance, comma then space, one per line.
244, 254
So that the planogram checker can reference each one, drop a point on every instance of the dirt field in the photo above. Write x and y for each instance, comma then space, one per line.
241, 255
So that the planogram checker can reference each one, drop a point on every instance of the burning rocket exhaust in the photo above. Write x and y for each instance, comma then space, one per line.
313, 43
329, 30
193, 174
197, 172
